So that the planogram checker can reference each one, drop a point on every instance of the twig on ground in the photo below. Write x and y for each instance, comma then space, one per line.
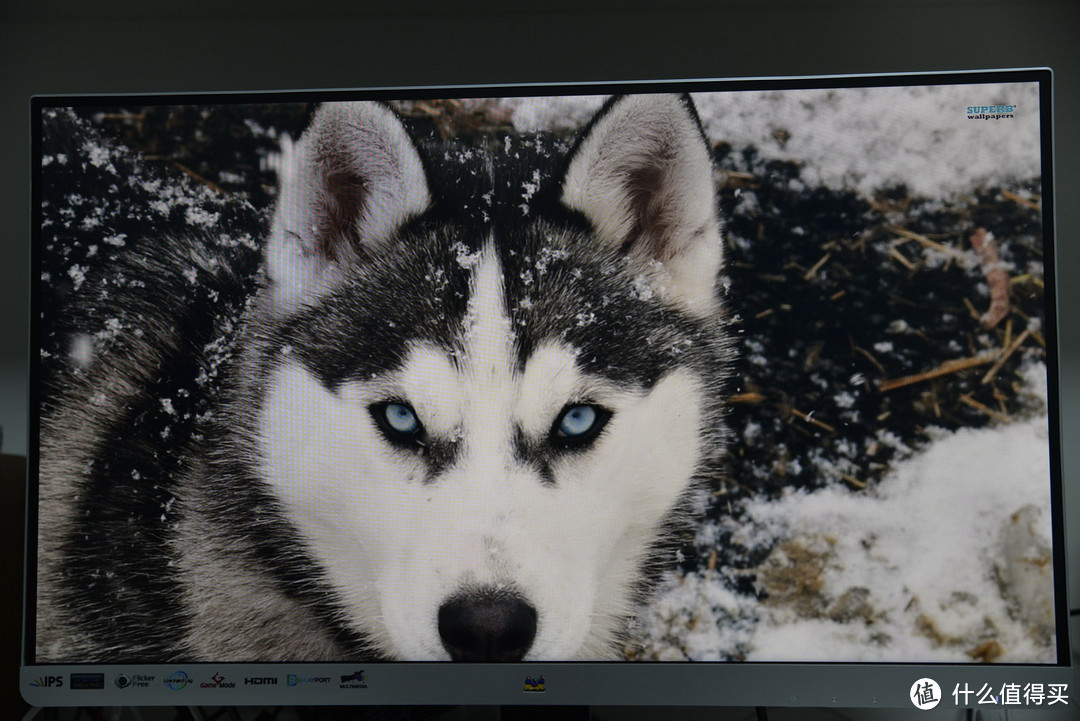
996, 415
909, 235
946, 368
870, 357
809, 275
809, 418
853, 481
1020, 200
902, 259
1019, 341
748, 397
200, 179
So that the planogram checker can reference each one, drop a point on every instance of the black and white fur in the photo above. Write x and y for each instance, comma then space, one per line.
488, 290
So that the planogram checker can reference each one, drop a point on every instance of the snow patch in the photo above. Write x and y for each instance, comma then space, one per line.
859, 138
947, 559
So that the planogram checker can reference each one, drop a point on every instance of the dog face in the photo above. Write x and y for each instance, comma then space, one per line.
494, 376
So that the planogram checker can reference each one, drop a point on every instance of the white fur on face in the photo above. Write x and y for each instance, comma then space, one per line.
397, 545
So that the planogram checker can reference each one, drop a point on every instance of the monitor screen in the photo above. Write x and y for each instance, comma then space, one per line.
591, 389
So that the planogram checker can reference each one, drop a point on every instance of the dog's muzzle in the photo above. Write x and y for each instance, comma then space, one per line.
487, 624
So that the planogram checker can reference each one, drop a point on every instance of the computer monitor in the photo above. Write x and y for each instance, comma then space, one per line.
700, 392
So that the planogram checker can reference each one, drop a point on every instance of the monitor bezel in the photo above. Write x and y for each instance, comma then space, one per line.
624, 683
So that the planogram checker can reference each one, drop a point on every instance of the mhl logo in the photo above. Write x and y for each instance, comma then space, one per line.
48, 682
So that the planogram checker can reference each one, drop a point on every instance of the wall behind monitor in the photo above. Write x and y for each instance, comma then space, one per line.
64, 46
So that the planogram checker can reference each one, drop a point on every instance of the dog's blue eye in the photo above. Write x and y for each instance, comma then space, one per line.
399, 423
578, 425
401, 418
577, 420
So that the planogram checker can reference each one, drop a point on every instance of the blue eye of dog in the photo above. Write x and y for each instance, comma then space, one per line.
578, 425
398, 422
401, 418
577, 420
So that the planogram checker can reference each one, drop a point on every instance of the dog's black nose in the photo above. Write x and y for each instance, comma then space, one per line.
487, 625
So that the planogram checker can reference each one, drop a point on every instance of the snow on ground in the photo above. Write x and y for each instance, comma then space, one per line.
861, 138
947, 560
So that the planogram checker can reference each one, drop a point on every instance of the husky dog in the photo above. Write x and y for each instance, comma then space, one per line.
471, 395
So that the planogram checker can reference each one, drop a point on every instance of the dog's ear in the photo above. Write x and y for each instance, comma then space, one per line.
353, 178
642, 175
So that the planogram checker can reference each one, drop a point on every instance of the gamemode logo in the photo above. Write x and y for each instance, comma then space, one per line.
217, 681
261, 681
991, 112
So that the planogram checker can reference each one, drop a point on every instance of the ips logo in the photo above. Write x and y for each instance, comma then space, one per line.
48, 682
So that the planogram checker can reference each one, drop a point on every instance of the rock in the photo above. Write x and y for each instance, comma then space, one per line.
1025, 571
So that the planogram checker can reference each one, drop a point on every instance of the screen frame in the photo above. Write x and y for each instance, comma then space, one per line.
623, 683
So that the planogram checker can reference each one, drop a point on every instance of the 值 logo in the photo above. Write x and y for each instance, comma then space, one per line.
925, 694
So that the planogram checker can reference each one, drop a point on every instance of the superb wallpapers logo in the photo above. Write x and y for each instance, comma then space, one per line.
990, 112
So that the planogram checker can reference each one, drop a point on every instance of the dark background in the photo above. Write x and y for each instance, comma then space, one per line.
113, 46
